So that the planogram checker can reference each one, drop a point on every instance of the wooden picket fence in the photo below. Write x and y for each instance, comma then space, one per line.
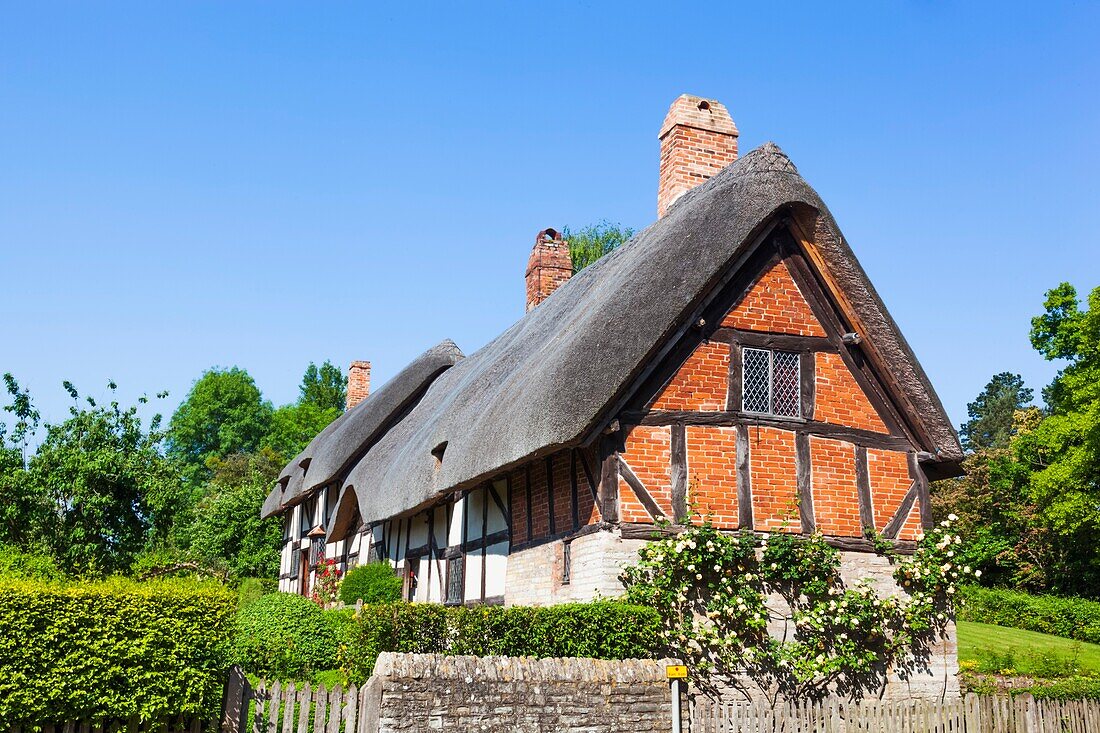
971, 714
279, 708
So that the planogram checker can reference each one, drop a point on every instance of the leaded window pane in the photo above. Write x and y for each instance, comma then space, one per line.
456, 578
756, 390
785, 393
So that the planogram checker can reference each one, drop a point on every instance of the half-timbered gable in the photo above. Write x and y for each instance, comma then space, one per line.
731, 361
769, 423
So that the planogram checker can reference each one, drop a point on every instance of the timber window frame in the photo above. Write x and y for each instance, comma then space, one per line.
771, 382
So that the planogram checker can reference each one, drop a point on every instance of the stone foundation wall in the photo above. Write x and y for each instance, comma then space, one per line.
535, 575
429, 692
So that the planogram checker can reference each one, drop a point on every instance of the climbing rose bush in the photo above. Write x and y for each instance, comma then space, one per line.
774, 611
326, 587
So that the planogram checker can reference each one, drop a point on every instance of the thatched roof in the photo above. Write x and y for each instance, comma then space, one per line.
554, 378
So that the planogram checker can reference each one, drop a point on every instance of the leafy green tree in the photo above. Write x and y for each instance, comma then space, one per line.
224, 413
109, 486
23, 507
1063, 450
990, 423
293, 426
590, 243
324, 387
227, 530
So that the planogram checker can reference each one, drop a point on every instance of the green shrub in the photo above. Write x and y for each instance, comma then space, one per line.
602, 630
1071, 618
249, 590
286, 636
373, 583
115, 649
15, 563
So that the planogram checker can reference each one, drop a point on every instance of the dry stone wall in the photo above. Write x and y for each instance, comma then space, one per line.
429, 692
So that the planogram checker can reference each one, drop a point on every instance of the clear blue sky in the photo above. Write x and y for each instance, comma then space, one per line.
192, 184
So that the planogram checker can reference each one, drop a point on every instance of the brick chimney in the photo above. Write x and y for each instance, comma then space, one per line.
698, 139
549, 266
358, 382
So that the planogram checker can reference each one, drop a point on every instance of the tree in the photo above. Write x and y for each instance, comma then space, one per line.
23, 507
224, 413
1063, 450
109, 486
227, 531
990, 423
325, 387
590, 243
293, 426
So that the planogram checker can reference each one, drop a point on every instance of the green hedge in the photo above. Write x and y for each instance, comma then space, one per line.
286, 636
1072, 618
603, 630
112, 649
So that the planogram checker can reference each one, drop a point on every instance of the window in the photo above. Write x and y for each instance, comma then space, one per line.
331, 495
770, 382
456, 579
566, 562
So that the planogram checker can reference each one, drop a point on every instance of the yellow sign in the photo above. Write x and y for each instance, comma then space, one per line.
676, 672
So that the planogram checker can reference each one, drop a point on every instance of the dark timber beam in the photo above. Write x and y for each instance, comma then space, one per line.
779, 341
803, 475
744, 480
863, 490
857, 436
893, 527
639, 531
608, 492
678, 451
923, 498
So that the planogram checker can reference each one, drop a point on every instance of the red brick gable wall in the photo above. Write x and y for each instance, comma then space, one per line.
712, 473
701, 383
836, 498
840, 400
776, 305
774, 487
889, 476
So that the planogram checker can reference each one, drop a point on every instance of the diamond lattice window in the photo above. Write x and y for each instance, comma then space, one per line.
770, 383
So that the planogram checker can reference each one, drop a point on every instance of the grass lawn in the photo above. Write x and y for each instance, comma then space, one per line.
996, 649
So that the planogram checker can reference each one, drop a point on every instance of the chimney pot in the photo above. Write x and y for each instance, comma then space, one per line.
698, 139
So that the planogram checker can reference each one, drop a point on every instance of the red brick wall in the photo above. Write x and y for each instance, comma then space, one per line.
648, 453
888, 472
563, 494
712, 473
701, 383
540, 510
912, 528
774, 304
774, 484
839, 398
836, 498
587, 513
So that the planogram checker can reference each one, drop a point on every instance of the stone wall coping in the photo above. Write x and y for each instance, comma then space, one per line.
398, 665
